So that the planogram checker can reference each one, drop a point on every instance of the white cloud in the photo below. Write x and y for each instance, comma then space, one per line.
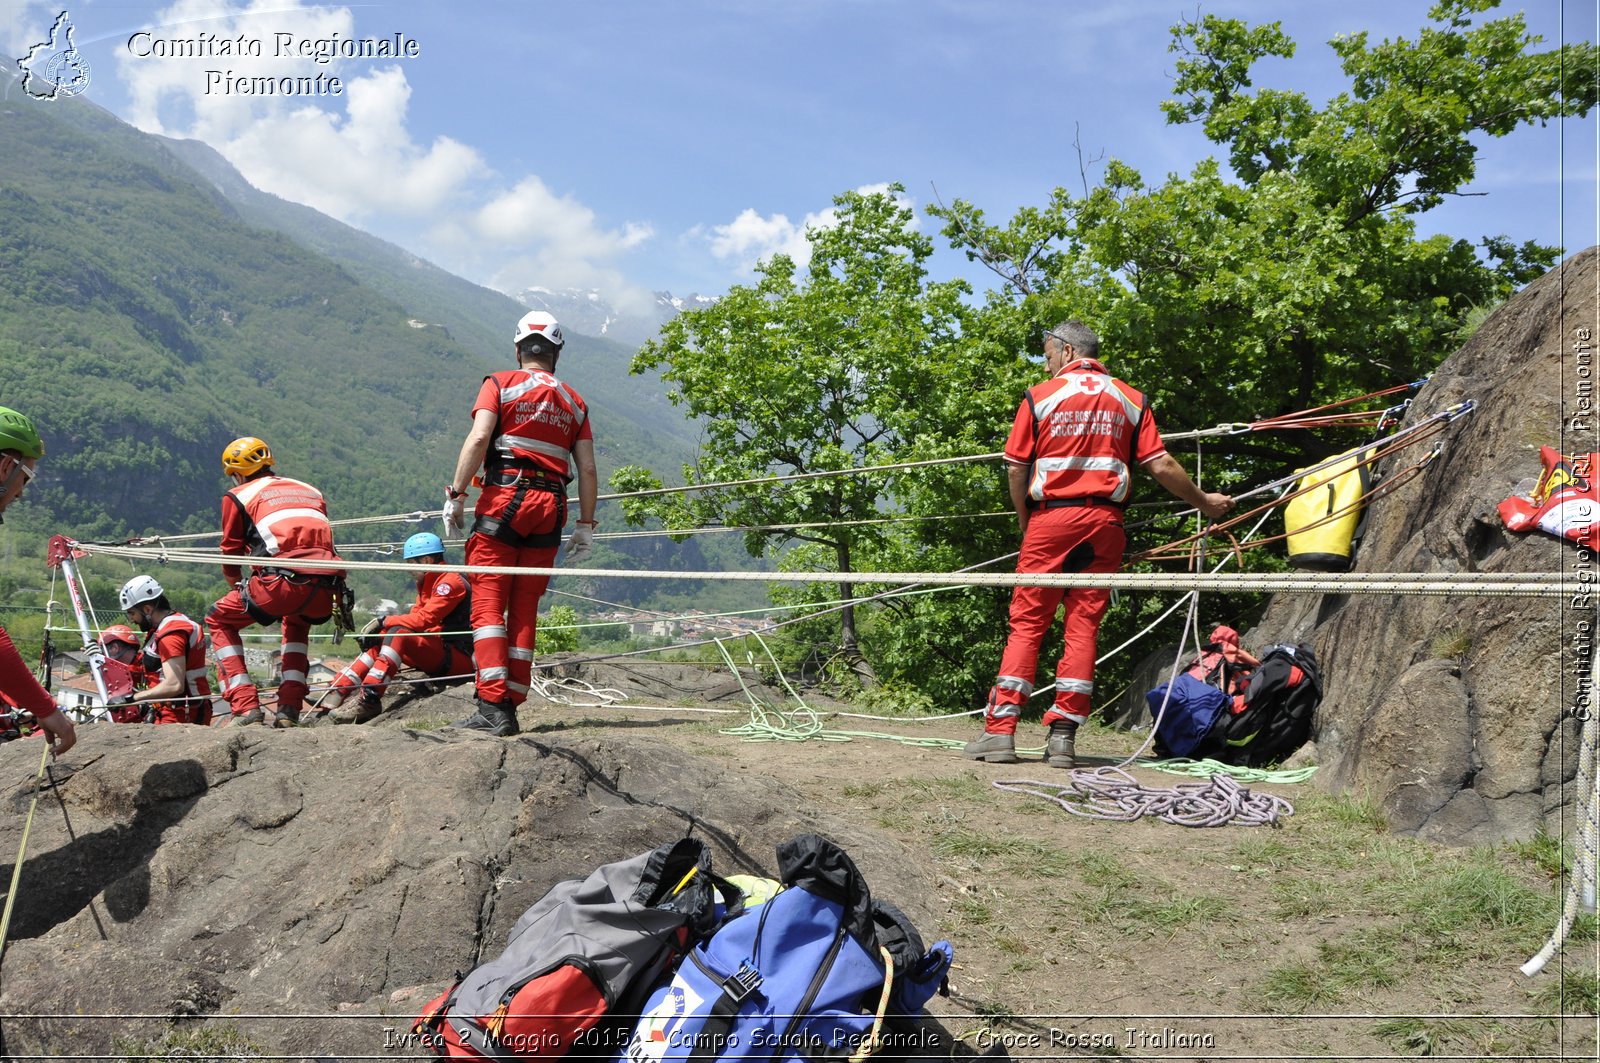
362, 164
354, 156
348, 155
528, 235
752, 238
23, 24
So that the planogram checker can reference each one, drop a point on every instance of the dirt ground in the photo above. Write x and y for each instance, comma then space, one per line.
1079, 938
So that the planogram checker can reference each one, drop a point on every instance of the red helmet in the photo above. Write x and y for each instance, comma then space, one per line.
119, 633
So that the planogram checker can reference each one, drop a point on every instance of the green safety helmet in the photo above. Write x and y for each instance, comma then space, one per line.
17, 433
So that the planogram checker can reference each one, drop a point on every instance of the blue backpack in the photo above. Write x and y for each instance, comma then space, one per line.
1192, 710
812, 973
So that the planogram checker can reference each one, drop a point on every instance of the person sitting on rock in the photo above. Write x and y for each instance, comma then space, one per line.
435, 638
120, 644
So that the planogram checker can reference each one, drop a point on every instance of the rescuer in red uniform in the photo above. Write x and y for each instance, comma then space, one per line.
526, 427
1069, 466
435, 637
173, 657
270, 516
120, 644
20, 451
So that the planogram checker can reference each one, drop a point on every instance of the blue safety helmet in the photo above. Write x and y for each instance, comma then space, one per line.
423, 544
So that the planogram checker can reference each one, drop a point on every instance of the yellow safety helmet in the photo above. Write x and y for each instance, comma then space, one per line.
245, 456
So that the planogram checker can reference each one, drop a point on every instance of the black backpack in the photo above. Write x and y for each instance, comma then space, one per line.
1279, 706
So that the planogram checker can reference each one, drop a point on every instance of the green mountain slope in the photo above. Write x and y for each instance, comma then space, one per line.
145, 320
143, 325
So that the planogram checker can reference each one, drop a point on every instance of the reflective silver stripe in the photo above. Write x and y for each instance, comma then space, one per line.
518, 687
196, 673
248, 492
507, 445
1011, 682
389, 653
350, 673
294, 647
293, 675
238, 681
1129, 407
519, 653
1043, 467
227, 651
1075, 686
511, 394
492, 673
264, 525
489, 631
578, 412
997, 711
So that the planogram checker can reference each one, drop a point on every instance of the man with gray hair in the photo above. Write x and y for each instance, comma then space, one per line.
1069, 462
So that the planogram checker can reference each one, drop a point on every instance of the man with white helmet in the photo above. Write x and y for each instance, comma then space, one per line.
434, 637
268, 516
529, 431
173, 656
20, 451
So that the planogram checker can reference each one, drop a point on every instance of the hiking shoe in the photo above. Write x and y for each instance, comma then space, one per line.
367, 707
498, 720
286, 717
330, 701
992, 748
246, 719
1058, 749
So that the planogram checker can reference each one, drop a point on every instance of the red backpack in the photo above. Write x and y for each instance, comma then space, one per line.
589, 949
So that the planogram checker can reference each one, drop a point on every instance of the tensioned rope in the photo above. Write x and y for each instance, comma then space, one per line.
1284, 421
1494, 584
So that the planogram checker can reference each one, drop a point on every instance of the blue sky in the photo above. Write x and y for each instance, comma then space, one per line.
633, 145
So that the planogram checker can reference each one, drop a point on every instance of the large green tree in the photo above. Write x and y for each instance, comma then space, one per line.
1289, 274
820, 368
1293, 274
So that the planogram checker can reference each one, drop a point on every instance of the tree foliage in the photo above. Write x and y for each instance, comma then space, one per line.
820, 369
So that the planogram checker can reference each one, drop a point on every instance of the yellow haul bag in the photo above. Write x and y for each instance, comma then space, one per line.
1325, 522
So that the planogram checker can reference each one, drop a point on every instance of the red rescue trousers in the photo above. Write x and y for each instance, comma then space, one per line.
298, 602
427, 653
1072, 539
505, 607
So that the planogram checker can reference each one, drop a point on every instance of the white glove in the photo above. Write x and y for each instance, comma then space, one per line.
454, 515
580, 543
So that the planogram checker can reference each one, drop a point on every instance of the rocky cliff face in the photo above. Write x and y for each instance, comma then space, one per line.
1455, 713
320, 885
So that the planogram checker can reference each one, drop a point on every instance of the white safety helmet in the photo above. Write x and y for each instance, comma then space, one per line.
138, 590
540, 324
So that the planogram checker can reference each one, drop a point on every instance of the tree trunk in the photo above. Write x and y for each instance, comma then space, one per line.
848, 644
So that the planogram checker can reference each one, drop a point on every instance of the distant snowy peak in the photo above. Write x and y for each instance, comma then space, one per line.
590, 312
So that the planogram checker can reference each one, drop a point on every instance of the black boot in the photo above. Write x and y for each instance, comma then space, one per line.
499, 720
1059, 751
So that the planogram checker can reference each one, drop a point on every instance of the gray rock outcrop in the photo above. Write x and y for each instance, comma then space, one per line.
320, 885
1454, 713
